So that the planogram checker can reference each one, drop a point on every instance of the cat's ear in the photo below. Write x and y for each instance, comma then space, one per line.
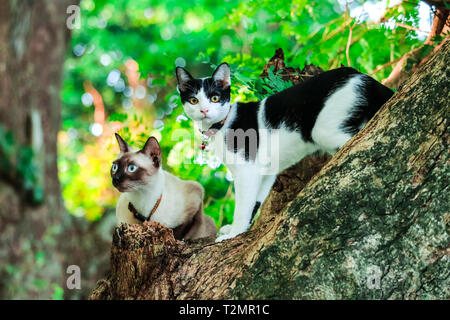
183, 77
153, 151
222, 75
123, 146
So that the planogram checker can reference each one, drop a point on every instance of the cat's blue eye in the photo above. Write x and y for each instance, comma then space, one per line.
132, 168
114, 167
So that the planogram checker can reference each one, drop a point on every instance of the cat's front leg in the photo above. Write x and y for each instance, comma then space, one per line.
247, 181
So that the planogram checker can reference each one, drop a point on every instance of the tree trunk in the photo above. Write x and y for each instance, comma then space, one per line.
33, 38
372, 224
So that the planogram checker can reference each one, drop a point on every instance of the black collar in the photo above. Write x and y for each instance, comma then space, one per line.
218, 125
141, 217
214, 128
136, 214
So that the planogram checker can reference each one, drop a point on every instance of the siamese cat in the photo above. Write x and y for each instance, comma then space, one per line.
257, 140
151, 194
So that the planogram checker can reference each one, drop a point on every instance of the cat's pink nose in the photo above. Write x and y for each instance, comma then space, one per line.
204, 111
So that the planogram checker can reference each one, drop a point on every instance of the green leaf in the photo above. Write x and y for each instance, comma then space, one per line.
121, 117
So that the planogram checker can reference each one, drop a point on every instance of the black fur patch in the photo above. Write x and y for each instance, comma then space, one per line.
255, 209
246, 119
298, 106
375, 95
210, 87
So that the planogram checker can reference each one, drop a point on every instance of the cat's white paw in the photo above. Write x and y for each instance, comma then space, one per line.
230, 231
224, 230
231, 234
225, 237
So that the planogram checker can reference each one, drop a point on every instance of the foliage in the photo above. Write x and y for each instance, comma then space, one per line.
23, 283
121, 66
17, 163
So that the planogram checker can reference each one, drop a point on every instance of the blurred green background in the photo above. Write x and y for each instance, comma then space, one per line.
119, 76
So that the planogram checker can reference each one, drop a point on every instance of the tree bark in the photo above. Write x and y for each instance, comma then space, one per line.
372, 224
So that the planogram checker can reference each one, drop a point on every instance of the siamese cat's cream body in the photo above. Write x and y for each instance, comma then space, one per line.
181, 204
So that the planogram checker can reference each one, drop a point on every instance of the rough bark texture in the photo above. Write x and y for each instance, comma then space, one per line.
373, 223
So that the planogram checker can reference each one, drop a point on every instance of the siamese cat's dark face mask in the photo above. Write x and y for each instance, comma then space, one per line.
133, 169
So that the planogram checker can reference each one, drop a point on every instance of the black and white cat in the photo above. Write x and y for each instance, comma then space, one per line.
257, 140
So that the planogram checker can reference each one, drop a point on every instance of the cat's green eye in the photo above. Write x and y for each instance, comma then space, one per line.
132, 168
215, 99
193, 100
114, 167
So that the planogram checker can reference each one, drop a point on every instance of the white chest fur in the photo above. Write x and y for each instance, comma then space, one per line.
170, 211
